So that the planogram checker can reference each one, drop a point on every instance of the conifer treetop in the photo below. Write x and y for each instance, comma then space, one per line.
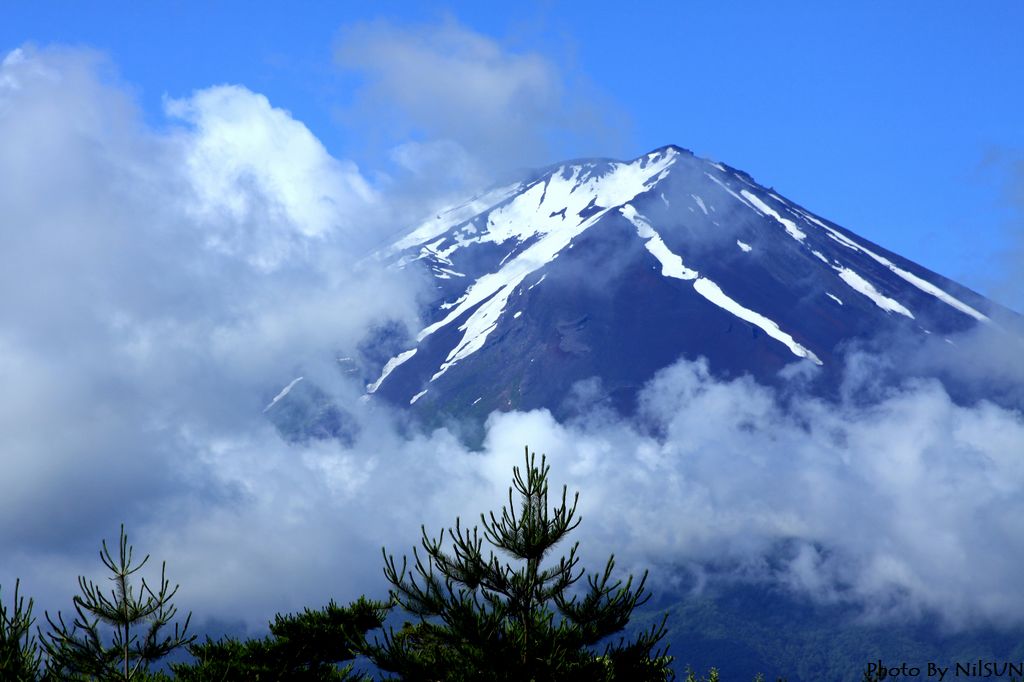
480, 617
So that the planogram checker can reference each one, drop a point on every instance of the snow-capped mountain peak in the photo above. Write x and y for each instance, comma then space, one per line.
610, 269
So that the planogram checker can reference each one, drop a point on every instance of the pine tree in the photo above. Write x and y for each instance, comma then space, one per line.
482, 619
20, 656
79, 652
305, 647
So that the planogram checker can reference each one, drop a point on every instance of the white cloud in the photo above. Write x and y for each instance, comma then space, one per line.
445, 82
452, 83
263, 184
895, 506
133, 343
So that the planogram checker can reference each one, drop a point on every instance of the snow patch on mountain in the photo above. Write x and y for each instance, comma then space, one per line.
457, 215
700, 202
544, 214
672, 266
791, 229
864, 287
478, 326
909, 277
390, 367
284, 391
734, 194
711, 291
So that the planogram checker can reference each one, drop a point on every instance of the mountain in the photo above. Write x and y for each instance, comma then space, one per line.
613, 270
580, 282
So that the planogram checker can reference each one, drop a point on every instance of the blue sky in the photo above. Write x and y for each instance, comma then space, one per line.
901, 121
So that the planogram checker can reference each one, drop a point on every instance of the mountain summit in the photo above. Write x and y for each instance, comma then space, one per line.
609, 271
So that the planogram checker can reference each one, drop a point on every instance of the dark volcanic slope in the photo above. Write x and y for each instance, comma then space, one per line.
614, 270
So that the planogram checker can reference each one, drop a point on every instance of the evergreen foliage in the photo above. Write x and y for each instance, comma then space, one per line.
712, 676
482, 619
20, 656
80, 652
306, 647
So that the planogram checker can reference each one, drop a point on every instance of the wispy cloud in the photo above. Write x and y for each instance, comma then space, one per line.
445, 83
1011, 288
1001, 168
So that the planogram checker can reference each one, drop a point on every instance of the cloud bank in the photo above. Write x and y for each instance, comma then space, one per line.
162, 285
157, 285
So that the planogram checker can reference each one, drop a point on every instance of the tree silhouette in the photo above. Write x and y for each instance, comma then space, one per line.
80, 652
482, 619
20, 656
304, 647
